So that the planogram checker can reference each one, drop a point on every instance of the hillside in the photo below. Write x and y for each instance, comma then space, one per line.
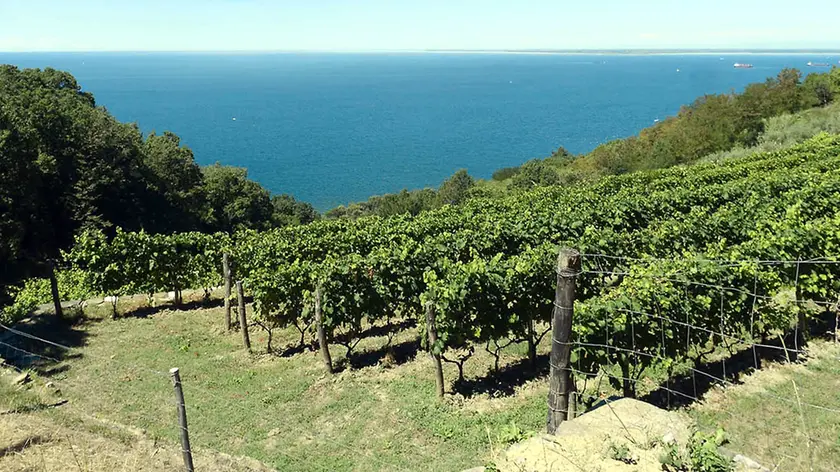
376, 415
690, 277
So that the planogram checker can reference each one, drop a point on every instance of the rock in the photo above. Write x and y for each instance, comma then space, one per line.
748, 463
669, 438
274, 432
586, 440
22, 379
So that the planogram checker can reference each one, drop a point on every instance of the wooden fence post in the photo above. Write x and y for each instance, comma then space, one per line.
561, 383
54, 289
431, 330
243, 321
226, 276
182, 419
322, 335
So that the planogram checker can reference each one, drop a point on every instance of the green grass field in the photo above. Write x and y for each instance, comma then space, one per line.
287, 413
284, 411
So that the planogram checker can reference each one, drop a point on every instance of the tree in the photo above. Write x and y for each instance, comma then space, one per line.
288, 211
235, 202
535, 173
84, 168
176, 180
455, 189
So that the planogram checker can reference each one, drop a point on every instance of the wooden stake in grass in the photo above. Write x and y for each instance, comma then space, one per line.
560, 378
54, 289
431, 330
182, 419
243, 322
226, 275
322, 335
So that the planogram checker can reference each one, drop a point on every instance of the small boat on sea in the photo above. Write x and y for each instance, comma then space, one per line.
738, 65
818, 64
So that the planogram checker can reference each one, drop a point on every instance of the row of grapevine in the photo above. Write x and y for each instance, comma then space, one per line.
139, 262
486, 268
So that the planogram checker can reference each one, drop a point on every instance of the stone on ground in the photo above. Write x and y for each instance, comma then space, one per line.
585, 442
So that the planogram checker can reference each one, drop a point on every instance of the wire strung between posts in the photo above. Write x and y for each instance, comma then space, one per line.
705, 330
706, 374
819, 260
703, 284
134, 366
210, 394
32, 354
675, 392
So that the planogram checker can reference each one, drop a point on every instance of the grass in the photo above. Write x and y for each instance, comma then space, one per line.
285, 412
764, 418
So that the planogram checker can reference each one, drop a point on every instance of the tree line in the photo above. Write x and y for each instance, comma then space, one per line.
67, 165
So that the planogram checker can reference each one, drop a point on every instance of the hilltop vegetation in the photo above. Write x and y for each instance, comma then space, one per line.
485, 269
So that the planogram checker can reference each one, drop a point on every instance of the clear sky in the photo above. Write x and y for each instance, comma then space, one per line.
235, 25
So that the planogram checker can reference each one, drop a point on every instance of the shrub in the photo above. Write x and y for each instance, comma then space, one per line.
506, 173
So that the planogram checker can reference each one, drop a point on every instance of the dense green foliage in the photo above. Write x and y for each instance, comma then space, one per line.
67, 165
452, 191
487, 266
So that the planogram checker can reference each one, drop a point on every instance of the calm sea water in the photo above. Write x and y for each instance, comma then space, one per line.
335, 128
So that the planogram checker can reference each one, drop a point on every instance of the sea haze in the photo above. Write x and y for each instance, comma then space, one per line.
336, 128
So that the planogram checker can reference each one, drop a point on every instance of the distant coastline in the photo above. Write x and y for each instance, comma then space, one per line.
642, 52
563, 52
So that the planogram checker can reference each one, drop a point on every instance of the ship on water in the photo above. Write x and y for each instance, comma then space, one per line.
739, 65
818, 64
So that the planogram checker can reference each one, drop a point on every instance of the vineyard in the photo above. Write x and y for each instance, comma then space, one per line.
482, 274
677, 269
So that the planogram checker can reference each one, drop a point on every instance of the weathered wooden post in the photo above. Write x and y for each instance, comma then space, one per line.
182, 419
431, 330
561, 383
226, 276
322, 335
54, 288
802, 319
243, 321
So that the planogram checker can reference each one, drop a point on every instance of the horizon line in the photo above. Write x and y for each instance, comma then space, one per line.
627, 51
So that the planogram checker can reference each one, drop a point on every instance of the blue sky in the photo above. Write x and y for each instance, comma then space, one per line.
345, 25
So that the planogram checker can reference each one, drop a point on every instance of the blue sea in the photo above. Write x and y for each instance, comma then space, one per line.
335, 128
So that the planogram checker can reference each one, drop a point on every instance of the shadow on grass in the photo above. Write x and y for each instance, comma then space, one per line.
45, 341
147, 311
396, 354
684, 389
21, 445
294, 349
376, 331
504, 381
679, 390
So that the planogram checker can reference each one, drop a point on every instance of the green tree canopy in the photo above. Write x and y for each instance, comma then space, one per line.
455, 189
